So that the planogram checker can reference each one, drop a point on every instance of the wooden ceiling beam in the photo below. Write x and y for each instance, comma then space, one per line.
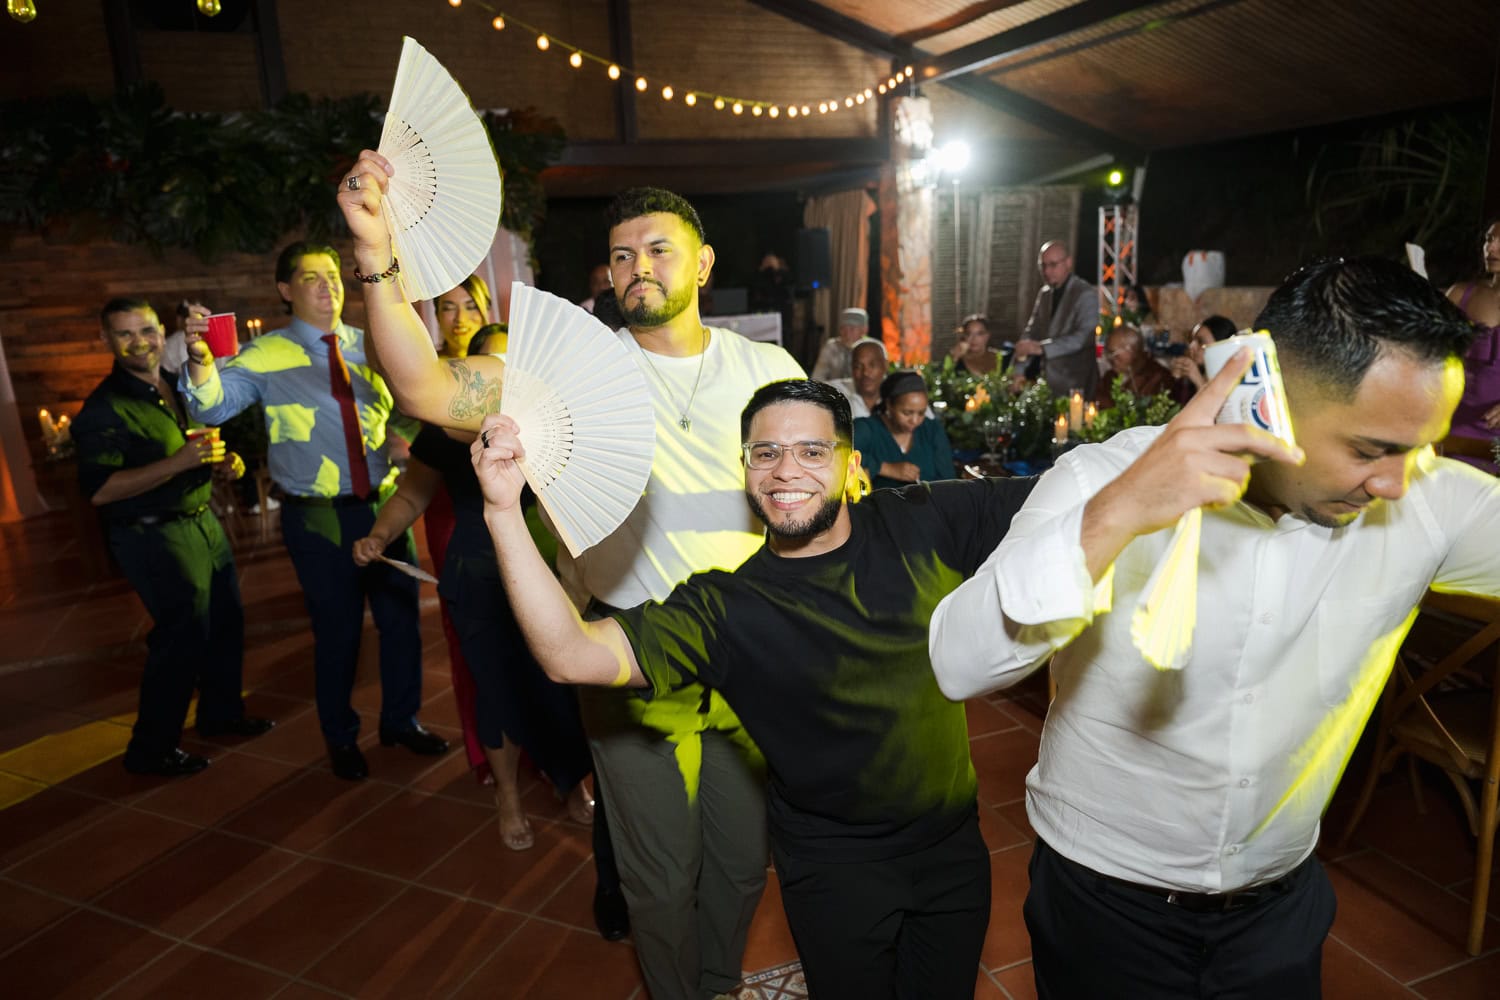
982, 54
860, 35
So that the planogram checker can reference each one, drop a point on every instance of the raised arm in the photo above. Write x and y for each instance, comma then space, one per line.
569, 649
1049, 577
456, 393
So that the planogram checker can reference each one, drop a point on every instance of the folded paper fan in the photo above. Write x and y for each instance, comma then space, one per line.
443, 204
585, 415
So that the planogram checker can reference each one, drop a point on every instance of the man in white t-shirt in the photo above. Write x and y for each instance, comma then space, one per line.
681, 783
1176, 811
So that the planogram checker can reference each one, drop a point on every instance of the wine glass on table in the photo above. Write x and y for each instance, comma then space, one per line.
990, 429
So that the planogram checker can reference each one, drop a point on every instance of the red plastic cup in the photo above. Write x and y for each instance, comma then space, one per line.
222, 335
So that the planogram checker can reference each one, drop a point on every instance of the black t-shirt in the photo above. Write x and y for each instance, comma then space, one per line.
824, 659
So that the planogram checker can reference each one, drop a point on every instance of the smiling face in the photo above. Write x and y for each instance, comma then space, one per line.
316, 291
136, 340
657, 266
459, 318
803, 509
1359, 451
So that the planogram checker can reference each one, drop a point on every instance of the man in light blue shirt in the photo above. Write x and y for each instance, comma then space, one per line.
328, 416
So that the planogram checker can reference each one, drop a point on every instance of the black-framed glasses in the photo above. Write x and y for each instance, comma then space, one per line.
808, 454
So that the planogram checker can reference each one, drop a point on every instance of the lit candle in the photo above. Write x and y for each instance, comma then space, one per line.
49, 429
1090, 413
971, 404
1060, 429
1075, 409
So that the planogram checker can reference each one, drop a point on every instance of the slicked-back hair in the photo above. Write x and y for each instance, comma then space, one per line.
286, 261
801, 390
1333, 318
124, 304
633, 203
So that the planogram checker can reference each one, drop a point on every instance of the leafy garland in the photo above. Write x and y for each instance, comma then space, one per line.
967, 403
217, 183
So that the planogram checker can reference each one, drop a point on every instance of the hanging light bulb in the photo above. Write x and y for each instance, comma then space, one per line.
908, 71
211, 8
575, 60
859, 98
543, 42
718, 104
614, 71
738, 108
22, 10
498, 23
755, 110
691, 99
848, 102
666, 93
823, 108
791, 112
775, 112
641, 84
806, 110
881, 88
868, 95
451, 3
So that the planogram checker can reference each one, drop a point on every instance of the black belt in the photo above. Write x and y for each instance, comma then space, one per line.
1202, 902
161, 518
349, 500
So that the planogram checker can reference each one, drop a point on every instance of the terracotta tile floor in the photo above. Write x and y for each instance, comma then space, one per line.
267, 877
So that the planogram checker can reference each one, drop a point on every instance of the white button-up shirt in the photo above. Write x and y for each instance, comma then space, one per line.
1214, 777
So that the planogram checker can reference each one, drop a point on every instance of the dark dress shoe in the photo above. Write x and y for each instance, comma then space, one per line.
245, 725
417, 739
611, 915
174, 763
348, 763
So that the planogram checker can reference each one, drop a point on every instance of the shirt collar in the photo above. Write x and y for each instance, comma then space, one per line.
307, 335
126, 384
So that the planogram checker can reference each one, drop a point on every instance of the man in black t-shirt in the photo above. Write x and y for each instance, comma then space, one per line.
819, 643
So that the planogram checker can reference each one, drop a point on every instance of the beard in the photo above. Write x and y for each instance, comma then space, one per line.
818, 522
643, 315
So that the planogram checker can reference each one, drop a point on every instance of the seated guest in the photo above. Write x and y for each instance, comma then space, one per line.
1188, 368
1132, 366
1478, 415
868, 364
972, 350
834, 360
899, 442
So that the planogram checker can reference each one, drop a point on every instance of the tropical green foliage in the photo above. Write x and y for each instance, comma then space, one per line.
218, 183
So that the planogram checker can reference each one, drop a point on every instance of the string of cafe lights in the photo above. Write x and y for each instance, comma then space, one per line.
756, 108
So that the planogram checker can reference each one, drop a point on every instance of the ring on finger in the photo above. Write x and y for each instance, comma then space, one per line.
484, 439
352, 182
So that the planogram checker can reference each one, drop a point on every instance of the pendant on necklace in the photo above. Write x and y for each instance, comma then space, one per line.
685, 423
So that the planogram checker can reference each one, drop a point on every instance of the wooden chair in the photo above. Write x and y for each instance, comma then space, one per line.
1456, 729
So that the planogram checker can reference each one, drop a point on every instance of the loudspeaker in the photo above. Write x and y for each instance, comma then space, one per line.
814, 264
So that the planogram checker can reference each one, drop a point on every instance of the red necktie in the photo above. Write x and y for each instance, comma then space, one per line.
354, 440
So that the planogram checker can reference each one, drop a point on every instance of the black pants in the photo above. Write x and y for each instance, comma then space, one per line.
320, 541
514, 699
184, 572
1091, 937
908, 927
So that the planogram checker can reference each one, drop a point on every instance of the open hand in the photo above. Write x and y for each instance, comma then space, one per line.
495, 452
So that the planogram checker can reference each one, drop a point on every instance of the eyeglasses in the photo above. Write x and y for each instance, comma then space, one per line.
808, 454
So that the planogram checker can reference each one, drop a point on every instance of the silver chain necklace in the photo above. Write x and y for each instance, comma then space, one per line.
683, 420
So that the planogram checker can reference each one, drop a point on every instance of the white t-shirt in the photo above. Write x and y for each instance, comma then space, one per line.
693, 514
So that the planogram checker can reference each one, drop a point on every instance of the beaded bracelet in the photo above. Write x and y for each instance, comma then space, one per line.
375, 279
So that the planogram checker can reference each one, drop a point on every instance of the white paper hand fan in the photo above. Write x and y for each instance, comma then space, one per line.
585, 415
443, 204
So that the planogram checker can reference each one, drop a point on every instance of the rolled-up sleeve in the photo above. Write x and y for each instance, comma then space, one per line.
222, 394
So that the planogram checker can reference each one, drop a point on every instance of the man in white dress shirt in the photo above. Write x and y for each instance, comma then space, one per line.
1177, 811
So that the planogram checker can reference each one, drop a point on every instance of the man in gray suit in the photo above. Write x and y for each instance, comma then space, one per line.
1062, 324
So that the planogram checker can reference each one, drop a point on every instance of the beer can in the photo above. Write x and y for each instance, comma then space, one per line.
1260, 398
